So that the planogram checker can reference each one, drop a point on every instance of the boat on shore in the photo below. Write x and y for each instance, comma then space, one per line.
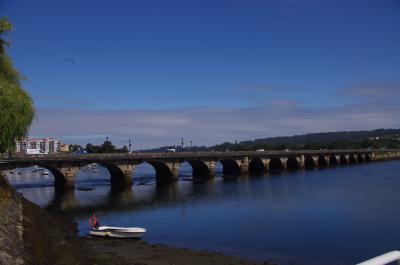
118, 232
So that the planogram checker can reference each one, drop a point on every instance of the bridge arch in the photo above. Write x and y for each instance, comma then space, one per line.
360, 158
352, 159
230, 167
309, 162
200, 170
276, 165
163, 171
322, 161
368, 157
59, 178
292, 163
256, 166
333, 160
116, 174
343, 160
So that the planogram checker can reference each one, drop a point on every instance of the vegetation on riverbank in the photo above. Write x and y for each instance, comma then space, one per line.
17, 110
377, 139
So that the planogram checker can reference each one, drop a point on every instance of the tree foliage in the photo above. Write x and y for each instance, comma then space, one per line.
106, 147
16, 108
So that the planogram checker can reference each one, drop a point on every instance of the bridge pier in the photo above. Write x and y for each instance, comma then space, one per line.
166, 172
301, 161
202, 169
120, 173
64, 175
373, 157
121, 166
315, 158
266, 164
244, 165
337, 160
211, 168
284, 161
175, 170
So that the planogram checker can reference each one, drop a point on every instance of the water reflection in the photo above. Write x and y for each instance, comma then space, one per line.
324, 216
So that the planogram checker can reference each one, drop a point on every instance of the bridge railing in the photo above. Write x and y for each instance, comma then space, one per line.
57, 156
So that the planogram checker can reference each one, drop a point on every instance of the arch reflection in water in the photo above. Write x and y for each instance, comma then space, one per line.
104, 199
144, 173
92, 176
30, 176
33, 184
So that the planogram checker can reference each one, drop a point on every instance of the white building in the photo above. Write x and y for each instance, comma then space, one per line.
46, 145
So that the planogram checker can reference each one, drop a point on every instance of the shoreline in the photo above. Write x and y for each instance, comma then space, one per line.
48, 238
32, 235
138, 252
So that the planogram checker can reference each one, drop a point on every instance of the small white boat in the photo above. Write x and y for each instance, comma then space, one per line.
45, 172
118, 232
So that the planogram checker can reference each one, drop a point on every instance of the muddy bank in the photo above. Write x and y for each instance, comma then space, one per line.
31, 235
136, 252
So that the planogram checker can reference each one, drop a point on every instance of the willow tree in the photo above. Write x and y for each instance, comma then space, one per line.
16, 108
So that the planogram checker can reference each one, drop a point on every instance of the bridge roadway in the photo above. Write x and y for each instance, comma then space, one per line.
121, 166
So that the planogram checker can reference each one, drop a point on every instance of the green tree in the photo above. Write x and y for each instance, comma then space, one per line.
16, 105
107, 147
124, 149
92, 148
74, 147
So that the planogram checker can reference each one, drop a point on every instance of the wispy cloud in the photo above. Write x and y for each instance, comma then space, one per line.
207, 126
374, 91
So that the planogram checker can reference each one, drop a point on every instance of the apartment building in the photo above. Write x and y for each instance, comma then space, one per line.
45, 145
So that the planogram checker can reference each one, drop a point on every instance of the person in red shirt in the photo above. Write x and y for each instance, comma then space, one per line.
93, 223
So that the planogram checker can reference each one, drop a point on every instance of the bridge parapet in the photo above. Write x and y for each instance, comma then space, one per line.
122, 166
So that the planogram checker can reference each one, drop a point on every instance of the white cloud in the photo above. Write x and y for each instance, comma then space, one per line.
208, 126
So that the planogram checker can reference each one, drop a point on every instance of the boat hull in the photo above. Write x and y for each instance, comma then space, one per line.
118, 232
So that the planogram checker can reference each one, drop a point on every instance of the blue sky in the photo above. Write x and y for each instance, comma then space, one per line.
268, 67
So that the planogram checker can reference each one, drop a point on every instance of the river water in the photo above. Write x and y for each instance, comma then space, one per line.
339, 215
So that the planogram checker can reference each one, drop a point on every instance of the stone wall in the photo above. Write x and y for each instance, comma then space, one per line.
29, 235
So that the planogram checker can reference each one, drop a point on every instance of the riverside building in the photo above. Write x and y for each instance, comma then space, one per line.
45, 145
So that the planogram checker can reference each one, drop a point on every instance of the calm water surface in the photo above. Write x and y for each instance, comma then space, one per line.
329, 216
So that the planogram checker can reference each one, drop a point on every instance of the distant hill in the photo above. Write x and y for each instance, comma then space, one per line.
164, 149
327, 137
380, 138
342, 139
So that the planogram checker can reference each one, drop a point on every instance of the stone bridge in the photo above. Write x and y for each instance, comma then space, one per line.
65, 167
